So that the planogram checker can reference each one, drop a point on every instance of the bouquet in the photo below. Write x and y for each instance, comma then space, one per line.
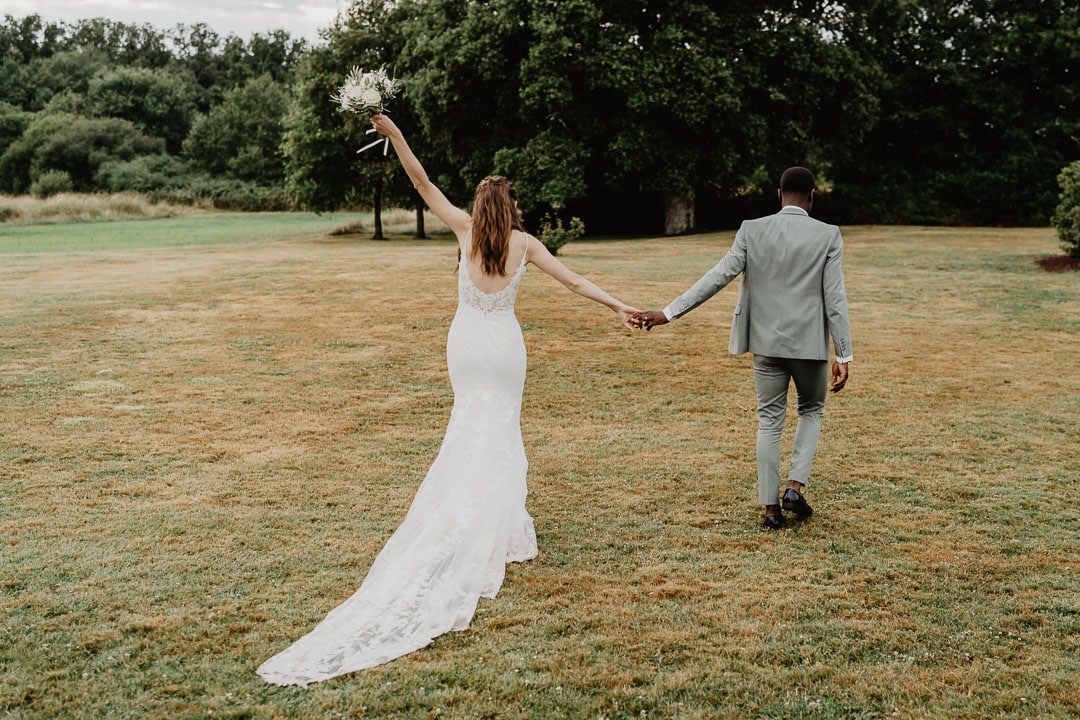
366, 91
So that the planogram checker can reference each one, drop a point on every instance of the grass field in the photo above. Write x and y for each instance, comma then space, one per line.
90, 223
203, 447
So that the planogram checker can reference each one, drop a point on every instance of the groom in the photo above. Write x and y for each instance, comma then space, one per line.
791, 300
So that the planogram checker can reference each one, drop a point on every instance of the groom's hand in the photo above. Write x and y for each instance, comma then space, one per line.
650, 319
839, 376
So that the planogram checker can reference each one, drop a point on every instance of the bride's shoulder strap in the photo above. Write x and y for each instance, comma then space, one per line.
530, 246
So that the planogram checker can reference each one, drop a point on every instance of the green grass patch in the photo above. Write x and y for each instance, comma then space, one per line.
208, 229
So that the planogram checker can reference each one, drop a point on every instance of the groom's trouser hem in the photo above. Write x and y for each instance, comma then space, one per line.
771, 379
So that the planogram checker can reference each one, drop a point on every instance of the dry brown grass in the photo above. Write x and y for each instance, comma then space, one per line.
203, 449
81, 207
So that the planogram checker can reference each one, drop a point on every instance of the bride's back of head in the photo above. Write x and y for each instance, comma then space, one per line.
494, 216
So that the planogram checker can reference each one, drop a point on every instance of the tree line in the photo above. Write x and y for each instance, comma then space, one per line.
183, 114
636, 115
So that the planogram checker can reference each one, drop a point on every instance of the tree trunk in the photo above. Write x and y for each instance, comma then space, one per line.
420, 234
678, 215
378, 209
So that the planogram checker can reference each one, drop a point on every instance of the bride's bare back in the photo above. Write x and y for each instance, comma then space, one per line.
488, 283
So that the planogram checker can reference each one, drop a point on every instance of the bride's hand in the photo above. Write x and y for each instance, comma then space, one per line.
385, 126
626, 316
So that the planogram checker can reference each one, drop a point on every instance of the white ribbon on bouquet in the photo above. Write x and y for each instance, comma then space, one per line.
384, 140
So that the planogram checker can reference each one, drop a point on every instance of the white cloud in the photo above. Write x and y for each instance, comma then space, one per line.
301, 18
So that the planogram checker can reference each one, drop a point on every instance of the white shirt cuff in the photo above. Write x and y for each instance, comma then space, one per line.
844, 360
667, 313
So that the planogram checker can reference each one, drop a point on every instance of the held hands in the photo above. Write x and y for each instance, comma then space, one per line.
648, 319
627, 315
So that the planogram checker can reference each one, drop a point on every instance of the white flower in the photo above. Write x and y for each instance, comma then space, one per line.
366, 91
371, 97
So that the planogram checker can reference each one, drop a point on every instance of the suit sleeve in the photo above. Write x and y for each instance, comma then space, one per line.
836, 307
712, 282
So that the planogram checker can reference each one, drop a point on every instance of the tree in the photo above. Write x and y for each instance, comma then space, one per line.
22, 43
580, 99
275, 54
323, 170
13, 121
63, 78
220, 64
242, 136
125, 44
25, 39
978, 108
670, 66
158, 102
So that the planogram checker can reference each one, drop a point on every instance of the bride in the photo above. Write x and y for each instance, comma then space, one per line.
468, 518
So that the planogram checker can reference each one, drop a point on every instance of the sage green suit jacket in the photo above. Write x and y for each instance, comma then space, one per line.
792, 297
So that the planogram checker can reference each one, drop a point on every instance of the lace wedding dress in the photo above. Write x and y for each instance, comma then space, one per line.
468, 518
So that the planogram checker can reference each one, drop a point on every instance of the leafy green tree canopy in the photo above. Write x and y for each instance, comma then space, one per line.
158, 102
241, 137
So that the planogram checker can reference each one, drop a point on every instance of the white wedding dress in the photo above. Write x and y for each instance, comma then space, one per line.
468, 518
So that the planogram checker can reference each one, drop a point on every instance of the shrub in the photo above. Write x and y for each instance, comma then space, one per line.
225, 194
554, 235
1067, 216
17, 158
51, 182
252, 198
146, 173
76, 145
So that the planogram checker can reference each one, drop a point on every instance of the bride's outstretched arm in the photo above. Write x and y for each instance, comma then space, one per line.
539, 256
454, 217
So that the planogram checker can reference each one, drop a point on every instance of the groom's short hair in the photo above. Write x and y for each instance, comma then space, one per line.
797, 181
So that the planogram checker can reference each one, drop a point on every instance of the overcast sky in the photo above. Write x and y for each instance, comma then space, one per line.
302, 18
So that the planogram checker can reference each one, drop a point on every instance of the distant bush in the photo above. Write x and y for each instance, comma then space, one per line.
1067, 216
84, 145
251, 198
145, 174
79, 146
18, 157
51, 182
554, 235
165, 178
225, 194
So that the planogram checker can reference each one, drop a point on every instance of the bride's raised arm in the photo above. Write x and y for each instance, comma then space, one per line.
454, 217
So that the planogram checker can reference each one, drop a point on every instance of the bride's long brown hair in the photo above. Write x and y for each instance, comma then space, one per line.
494, 215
